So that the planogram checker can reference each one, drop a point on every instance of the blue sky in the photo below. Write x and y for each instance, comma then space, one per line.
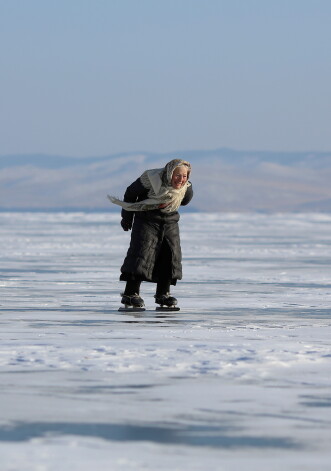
94, 77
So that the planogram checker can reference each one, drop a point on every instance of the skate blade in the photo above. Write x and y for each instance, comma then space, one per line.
167, 309
131, 309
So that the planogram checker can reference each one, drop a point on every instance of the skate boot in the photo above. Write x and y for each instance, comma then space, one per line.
132, 302
167, 302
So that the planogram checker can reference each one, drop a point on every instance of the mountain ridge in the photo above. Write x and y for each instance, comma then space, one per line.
223, 179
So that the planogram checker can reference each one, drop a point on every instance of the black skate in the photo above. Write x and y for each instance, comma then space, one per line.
167, 302
132, 303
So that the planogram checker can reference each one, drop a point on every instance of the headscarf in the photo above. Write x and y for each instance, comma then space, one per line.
160, 191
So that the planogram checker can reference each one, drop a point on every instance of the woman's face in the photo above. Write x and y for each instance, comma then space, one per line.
179, 177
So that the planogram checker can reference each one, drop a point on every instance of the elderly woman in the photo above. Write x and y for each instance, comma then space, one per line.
150, 209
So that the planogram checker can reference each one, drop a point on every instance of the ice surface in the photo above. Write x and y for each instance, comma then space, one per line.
240, 377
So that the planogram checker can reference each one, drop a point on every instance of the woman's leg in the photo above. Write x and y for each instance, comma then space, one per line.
163, 268
162, 287
132, 287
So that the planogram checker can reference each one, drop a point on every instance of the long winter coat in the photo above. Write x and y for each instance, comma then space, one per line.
154, 251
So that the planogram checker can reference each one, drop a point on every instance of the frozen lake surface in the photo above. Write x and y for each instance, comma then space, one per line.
240, 377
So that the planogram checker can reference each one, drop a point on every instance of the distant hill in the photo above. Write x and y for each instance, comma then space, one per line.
223, 180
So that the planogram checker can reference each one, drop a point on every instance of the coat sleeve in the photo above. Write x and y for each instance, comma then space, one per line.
134, 192
188, 196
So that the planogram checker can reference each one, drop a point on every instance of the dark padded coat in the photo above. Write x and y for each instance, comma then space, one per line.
154, 253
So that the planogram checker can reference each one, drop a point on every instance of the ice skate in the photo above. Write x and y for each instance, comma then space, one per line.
167, 302
132, 303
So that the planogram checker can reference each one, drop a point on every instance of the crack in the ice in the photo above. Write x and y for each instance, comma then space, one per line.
190, 435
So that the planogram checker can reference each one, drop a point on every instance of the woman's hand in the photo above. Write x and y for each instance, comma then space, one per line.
126, 226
